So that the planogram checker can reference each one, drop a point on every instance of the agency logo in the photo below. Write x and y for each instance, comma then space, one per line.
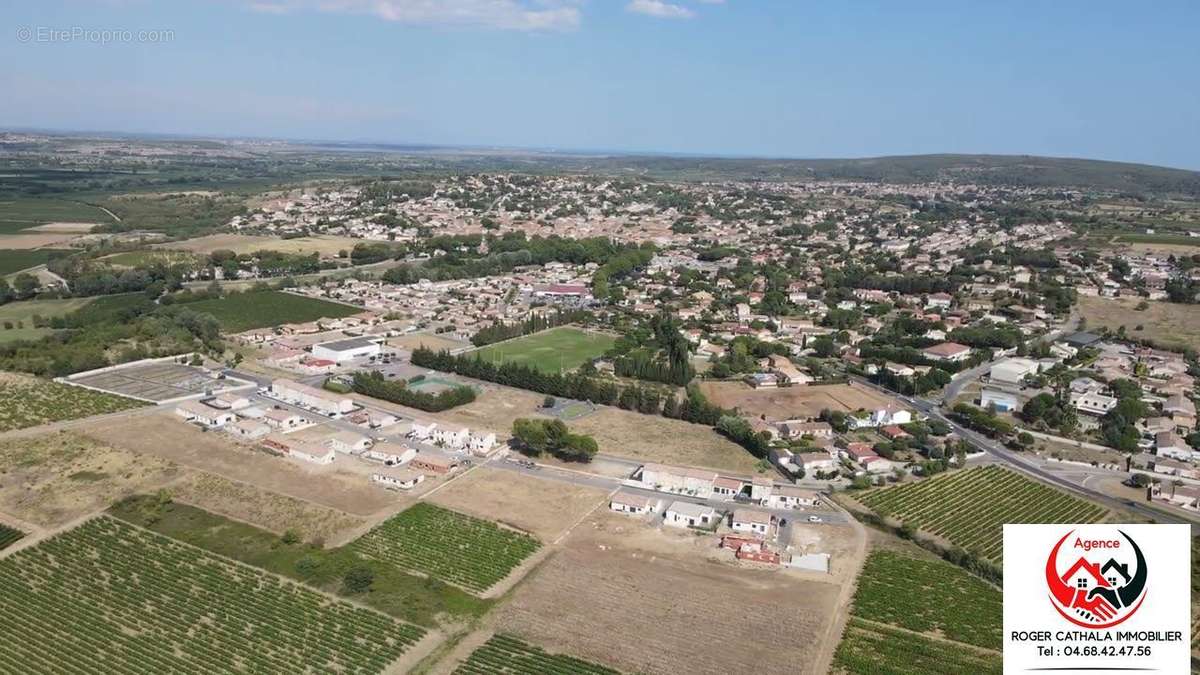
1095, 582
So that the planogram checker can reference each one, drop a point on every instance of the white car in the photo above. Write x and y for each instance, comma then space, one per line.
814, 519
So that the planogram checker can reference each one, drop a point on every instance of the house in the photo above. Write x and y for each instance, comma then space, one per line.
284, 420
753, 522
1171, 467
949, 352
324, 402
1186, 496
203, 415
678, 479
451, 437
892, 432
1182, 410
727, 487
248, 429
878, 465
686, 514
1169, 444
316, 453
400, 479
813, 462
789, 374
999, 400
390, 454
1013, 371
882, 417
762, 380
433, 464
422, 431
229, 401
899, 369
341, 351
348, 442
1093, 403
760, 488
793, 429
628, 502
939, 301
792, 497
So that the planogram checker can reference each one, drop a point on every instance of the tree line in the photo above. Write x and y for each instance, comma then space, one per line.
500, 331
372, 383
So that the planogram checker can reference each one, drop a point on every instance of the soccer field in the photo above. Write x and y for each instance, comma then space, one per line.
551, 351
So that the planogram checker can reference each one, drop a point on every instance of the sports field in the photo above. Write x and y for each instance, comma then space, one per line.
260, 309
550, 351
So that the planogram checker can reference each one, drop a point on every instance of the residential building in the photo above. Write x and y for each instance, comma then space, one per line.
751, 521
686, 514
203, 415
324, 402
628, 502
399, 479
792, 497
950, 352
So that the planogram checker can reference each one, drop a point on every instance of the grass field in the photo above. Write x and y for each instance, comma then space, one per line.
261, 309
19, 214
29, 402
1176, 239
20, 315
472, 553
9, 536
1166, 324
969, 508
13, 260
141, 602
792, 402
506, 655
326, 246
551, 351
408, 597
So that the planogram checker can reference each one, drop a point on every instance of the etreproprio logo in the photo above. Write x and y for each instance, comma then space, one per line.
1097, 582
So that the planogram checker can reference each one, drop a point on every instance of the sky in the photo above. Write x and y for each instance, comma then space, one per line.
771, 78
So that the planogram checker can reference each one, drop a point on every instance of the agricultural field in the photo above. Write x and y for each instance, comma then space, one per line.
1162, 322
969, 508
651, 438
506, 655
551, 351
925, 596
29, 402
458, 549
260, 309
1172, 239
327, 246
787, 403
144, 603
873, 649
21, 214
9, 536
15, 260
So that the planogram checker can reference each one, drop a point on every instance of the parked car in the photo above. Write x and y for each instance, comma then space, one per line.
814, 519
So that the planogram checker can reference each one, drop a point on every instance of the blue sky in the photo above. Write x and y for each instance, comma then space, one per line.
794, 78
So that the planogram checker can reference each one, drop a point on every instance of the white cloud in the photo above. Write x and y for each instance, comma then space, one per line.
660, 9
538, 15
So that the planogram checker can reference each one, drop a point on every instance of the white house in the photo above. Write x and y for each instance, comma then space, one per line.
791, 497
248, 429
230, 400
1093, 403
883, 417
390, 454
1004, 401
284, 420
422, 431
348, 442
316, 453
753, 522
686, 514
812, 462
1169, 444
678, 479
324, 402
451, 437
402, 479
1013, 371
481, 443
627, 502
950, 352
205, 416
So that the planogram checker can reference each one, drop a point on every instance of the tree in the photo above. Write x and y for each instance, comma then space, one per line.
358, 579
25, 285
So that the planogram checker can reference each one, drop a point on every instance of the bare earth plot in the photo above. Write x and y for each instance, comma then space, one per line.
661, 611
53, 479
269, 510
434, 342
1162, 322
544, 508
165, 436
650, 438
792, 402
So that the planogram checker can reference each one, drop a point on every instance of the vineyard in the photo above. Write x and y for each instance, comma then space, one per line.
28, 402
108, 592
447, 545
9, 536
872, 649
928, 595
505, 655
969, 508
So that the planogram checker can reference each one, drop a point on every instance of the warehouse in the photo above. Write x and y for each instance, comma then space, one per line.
341, 351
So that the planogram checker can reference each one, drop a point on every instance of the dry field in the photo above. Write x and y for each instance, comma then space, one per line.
494, 409
434, 342
52, 479
63, 228
326, 246
792, 402
1163, 323
543, 508
268, 510
34, 240
665, 609
166, 436
650, 438
1166, 249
